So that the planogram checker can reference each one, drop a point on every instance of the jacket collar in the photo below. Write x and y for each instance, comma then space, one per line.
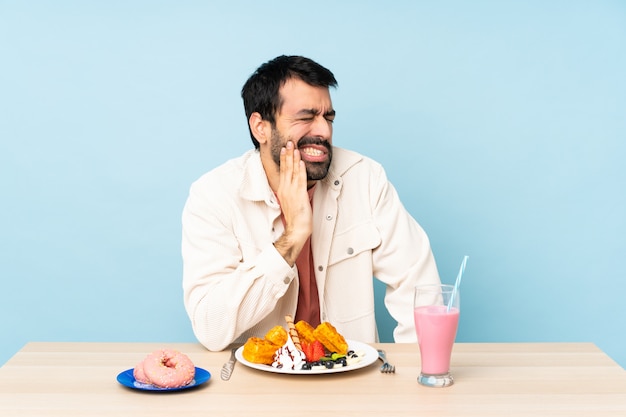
254, 184
343, 160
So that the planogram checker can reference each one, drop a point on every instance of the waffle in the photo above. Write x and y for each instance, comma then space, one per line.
305, 331
257, 350
330, 338
277, 335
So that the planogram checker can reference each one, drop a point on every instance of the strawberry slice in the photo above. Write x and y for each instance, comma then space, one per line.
307, 348
317, 351
313, 351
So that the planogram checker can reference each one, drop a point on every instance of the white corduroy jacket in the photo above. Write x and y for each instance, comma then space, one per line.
237, 285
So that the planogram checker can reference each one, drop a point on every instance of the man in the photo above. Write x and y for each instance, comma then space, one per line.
297, 226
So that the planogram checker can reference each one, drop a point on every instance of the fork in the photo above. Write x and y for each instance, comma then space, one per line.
227, 369
386, 368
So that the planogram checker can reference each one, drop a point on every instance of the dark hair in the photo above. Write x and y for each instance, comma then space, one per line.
260, 93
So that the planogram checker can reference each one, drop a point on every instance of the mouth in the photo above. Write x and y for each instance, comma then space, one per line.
313, 153
317, 154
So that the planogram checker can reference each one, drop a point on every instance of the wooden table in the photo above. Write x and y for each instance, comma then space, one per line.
538, 379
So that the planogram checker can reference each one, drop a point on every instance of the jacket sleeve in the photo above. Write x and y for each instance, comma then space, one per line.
404, 258
229, 285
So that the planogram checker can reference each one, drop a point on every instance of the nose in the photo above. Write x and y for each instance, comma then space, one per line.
322, 128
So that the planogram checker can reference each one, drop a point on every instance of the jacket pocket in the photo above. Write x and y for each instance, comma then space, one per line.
351, 242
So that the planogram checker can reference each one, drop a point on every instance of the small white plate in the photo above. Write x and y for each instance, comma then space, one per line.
369, 357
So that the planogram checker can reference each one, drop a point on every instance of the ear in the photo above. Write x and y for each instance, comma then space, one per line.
261, 129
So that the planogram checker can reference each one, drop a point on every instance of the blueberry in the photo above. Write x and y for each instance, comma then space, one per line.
306, 366
329, 364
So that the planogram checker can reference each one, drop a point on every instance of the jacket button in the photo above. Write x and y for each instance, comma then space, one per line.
286, 280
320, 268
336, 182
350, 251
329, 217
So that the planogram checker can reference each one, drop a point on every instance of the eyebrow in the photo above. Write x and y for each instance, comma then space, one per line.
313, 112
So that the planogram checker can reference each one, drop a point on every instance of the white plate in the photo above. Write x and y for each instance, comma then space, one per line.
369, 357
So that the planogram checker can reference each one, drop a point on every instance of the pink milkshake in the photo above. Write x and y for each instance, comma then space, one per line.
436, 312
436, 330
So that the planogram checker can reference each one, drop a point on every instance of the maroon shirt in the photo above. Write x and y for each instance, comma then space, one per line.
308, 299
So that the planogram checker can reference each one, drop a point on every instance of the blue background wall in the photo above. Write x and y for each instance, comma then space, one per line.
502, 125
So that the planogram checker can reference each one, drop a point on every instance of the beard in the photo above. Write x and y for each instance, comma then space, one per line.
314, 170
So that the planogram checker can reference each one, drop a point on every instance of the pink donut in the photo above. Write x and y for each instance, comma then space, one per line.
139, 374
167, 368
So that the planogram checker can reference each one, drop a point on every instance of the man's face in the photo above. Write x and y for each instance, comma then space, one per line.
306, 118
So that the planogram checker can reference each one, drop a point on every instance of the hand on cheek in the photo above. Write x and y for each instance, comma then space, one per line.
294, 203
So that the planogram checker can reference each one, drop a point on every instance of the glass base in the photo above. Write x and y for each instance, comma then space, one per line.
437, 381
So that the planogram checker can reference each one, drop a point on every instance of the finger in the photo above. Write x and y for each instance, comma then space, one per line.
287, 164
283, 162
297, 165
302, 178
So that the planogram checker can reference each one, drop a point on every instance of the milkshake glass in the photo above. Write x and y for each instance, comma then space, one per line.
436, 314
